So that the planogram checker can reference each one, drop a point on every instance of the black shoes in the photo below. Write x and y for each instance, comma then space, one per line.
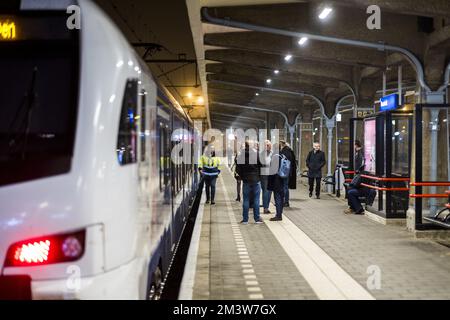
207, 202
310, 194
318, 197
213, 203
287, 205
276, 219
238, 199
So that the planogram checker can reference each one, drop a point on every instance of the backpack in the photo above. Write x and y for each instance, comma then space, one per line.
285, 167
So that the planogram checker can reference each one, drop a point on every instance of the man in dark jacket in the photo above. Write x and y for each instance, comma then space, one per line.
315, 162
249, 168
276, 184
291, 182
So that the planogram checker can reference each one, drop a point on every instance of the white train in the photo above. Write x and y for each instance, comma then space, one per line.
91, 207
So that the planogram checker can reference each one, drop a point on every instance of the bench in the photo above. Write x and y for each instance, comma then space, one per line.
442, 218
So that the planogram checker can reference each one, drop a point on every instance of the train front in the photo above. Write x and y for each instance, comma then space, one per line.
45, 242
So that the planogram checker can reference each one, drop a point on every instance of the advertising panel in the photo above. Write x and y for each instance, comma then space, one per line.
370, 145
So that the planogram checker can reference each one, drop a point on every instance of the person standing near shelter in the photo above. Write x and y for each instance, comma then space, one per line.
209, 170
315, 162
358, 161
291, 181
276, 183
266, 158
249, 169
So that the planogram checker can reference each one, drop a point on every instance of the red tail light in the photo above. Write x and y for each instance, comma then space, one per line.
46, 250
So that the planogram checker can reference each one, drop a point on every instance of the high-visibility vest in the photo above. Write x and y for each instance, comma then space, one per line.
210, 165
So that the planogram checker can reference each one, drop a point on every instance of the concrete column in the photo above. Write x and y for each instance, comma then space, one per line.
291, 134
330, 124
434, 98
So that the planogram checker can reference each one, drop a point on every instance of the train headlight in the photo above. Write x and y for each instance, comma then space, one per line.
46, 250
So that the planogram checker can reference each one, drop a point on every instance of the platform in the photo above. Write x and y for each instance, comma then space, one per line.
317, 252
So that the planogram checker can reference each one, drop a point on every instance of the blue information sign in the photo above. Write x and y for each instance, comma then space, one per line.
390, 102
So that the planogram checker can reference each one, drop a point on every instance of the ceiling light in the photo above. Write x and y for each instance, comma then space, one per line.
325, 13
302, 41
201, 100
276, 71
269, 81
288, 57
189, 95
257, 94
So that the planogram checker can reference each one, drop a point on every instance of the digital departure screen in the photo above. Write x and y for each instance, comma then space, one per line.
8, 30
34, 27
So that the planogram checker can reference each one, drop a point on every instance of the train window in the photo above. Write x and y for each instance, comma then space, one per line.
161, 156
166, 157
127, 138
38, 97
143, 122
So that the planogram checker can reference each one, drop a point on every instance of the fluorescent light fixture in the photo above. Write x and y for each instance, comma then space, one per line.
276, 71
302, 41
269, 81
257, 94
325, 13
288, 57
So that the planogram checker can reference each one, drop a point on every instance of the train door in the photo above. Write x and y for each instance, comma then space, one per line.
144, 168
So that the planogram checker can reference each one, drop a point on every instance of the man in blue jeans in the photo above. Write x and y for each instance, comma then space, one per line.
354, 202
277, 184
249, 169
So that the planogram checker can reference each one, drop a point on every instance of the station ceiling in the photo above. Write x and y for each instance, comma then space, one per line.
236, 64
165, 24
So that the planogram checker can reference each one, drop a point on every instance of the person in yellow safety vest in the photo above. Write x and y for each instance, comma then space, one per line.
209, 169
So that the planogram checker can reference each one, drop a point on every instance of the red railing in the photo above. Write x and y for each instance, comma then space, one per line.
429, 196
431, 184
386, 179
383, 188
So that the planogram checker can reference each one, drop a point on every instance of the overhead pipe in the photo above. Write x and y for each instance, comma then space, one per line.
446, 79
234, 116
232, 105
356, 43
296, 93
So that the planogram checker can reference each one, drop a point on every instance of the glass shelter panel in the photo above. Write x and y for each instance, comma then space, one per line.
401, 146
435, 155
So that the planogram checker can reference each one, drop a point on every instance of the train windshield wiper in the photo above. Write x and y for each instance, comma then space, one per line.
19, 142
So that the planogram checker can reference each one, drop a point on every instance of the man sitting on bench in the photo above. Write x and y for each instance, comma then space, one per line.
355, 191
